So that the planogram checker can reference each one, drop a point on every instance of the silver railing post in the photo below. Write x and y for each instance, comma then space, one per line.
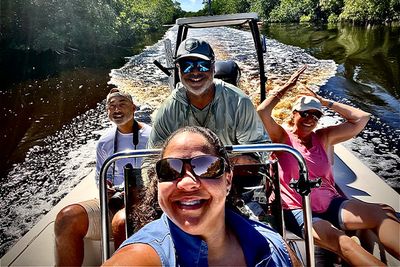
103, 192
303, 174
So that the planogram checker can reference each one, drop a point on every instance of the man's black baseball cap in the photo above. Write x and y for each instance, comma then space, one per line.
195, 48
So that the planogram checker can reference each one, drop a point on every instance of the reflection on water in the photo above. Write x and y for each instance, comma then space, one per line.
41, 92
368, 58
52, 112
368, 76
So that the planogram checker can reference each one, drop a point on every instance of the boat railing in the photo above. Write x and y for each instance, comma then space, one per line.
303, 185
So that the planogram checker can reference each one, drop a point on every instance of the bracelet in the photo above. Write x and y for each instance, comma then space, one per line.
330, 104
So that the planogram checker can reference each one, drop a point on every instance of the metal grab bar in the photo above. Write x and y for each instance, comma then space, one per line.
103, 192
303, 175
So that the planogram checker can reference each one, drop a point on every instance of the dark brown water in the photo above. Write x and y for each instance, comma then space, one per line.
41, 92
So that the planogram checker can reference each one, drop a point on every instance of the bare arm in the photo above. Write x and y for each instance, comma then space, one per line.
356, 119
134, 255
275, 131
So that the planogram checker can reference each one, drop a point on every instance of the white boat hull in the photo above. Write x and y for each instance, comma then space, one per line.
37, 247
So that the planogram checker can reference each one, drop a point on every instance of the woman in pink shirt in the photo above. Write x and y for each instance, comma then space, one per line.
332, 213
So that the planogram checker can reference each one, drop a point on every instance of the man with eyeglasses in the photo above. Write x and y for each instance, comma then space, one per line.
202, 100
82, 220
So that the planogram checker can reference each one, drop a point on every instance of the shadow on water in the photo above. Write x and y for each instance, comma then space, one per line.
41, 92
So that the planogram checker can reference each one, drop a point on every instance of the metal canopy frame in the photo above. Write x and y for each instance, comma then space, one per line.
217, 21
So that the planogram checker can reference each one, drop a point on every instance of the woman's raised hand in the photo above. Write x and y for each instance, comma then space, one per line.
295, 76
323, 101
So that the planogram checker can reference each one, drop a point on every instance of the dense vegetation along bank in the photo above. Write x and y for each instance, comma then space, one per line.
332, 11
71, 26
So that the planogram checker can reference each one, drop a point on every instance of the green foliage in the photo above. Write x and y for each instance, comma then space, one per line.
305, 18
178, 12
58, 25
263, 7
371, 11
220, 7
333, 19
80, 24
292, 10
72, 25
144, 15
331, 6
366, 10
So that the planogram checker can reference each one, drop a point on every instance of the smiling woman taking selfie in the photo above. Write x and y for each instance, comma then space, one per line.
332, 213
198, 227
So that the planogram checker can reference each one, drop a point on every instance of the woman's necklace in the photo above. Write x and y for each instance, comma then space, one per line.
205, 119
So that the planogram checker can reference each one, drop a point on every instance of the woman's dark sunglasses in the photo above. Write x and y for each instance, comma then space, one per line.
204, 167
188, 66
315, 114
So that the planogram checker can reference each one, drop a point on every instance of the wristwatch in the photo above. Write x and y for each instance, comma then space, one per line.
330, 104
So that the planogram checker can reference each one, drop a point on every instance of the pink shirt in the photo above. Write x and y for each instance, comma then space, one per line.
318, 165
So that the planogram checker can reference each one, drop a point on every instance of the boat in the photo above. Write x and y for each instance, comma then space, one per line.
353, 178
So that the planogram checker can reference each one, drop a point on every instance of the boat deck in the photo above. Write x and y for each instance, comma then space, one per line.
360, 182
354, 179
37, 247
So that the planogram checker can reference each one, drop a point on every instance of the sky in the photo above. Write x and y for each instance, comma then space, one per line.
191, 5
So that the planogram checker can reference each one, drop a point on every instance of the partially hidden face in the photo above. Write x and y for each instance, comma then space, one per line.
120, 110
197, 75
194, 198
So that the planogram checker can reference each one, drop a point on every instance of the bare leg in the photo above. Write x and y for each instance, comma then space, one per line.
335, 240
379, 218
70, 228
118, 228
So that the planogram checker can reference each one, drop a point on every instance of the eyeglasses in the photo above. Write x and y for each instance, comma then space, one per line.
204, 167
188, 66
316, 115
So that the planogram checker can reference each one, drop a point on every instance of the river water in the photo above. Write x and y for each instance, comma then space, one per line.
57, 161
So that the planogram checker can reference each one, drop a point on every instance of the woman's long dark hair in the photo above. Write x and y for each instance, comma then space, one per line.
149, 210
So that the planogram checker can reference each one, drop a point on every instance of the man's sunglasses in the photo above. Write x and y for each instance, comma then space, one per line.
204, 167
188, 66
316, 115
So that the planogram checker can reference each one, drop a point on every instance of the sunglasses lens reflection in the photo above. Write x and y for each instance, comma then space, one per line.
188, 66
205, 167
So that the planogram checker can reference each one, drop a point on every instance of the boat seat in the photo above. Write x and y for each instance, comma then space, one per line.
228, 71
249, 176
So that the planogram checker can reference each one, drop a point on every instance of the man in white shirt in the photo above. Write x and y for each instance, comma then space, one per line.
77, 221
